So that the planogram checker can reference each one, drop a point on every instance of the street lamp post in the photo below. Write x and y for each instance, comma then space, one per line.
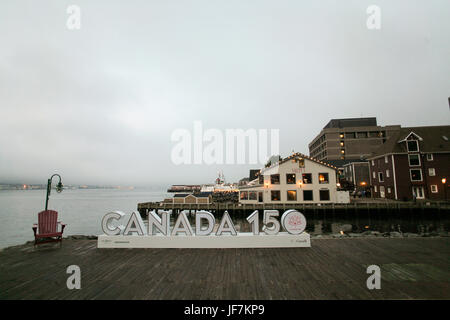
444, 180
59, 188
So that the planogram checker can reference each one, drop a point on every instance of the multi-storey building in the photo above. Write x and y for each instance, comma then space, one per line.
413, 163
349, 139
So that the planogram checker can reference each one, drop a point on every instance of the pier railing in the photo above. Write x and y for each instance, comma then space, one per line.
143, 208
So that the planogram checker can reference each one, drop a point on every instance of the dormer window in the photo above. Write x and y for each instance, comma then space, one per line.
413, 145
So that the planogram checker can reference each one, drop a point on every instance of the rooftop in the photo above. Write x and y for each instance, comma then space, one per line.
352, 122
433, 140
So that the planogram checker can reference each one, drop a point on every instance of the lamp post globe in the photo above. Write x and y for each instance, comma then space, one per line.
59, 188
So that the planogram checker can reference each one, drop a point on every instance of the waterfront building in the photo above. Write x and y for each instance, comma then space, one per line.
187, 198
413, 163
357, 173
349, 139
295, 179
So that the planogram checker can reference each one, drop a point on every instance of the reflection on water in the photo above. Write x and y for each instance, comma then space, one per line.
82, 211
408, 222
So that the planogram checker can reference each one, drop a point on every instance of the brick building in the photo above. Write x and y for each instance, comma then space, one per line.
413, 161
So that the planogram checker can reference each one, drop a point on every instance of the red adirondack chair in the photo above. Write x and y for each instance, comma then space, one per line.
47, 228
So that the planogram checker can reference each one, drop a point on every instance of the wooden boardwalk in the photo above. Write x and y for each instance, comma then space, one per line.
411, 268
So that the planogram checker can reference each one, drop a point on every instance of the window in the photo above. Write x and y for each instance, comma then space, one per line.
434, 188
389, 190
373, 163
429, 156
292, 195
375, 188
380, 176
244, 195
413, 145
414, 160
307, 178
431, 172
387, 173
261, 179
386, 159
290, 178
275, 195
323, 178
362, 134
307, 195
374, 175
324, 195
350, 135
252, 195
301, 163
275, 178
416, 174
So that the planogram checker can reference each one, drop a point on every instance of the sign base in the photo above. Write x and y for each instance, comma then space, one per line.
241, 240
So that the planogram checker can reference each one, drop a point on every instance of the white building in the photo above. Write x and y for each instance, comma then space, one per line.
295, 179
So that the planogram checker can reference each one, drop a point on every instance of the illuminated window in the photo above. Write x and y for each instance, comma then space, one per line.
307, 178
323, 178
434, 188
292, 195
301, 163
290, 178
244, 195
431, 172
429, 156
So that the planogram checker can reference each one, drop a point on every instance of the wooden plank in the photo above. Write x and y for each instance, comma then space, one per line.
413, 268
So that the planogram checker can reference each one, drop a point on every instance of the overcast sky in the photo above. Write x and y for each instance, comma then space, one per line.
98, 105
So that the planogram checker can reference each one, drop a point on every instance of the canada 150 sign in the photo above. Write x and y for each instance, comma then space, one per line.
158, 234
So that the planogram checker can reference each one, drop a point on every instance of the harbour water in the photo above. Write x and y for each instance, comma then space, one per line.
83, 209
